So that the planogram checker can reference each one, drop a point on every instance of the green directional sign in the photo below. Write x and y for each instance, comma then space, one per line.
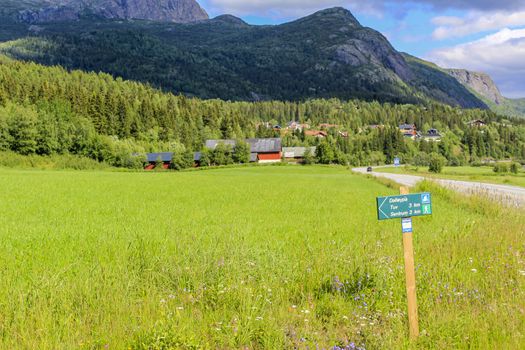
397, 207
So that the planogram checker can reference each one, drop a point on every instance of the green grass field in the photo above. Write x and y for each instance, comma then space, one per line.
464, 173
248, 258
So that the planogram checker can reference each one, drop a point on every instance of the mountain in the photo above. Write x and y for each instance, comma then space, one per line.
483, 86
179, 11
325, 55
479, 82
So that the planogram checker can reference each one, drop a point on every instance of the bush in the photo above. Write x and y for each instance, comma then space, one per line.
436, 163
515, 168
421, 159
182, 160
454, 161
324, 153
377, 158
206, 157
222, 155
57, 162
241, 153
309, 157
501, 168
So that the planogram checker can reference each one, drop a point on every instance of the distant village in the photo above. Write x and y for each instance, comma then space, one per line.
270, 150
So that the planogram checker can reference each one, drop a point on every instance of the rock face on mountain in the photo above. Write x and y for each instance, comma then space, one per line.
369, 47
178, 11
480, 82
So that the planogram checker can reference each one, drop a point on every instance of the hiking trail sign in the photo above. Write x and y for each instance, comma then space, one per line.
404, 206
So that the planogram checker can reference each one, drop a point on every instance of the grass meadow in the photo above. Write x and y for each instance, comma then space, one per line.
463, 173
248, 258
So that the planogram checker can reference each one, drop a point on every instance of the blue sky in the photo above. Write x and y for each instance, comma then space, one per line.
480, 35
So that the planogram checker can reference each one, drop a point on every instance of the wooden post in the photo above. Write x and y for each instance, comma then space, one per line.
410, 272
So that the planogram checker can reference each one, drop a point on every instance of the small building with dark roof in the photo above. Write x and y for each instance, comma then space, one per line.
432, 135
267, 150
408, 130
153, 158
297, 154
212, 144
478, 123
261, 150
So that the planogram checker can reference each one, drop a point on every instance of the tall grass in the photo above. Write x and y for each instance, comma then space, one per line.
258, 258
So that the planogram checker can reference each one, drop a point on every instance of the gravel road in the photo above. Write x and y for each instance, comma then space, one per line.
510, 195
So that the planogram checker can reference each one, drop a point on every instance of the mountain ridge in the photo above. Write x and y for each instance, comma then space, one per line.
324, 55
179, 11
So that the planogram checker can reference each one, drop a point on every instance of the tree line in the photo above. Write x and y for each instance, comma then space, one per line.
49, 110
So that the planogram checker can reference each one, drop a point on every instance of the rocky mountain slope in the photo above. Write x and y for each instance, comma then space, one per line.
483, 86
179, 11
324, 55
480, 82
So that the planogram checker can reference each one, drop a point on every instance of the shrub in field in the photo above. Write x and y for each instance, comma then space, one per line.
454, 161
421, 159
73, 162
324, 153
476, 163
515, 168
436, 163
222, 155
377, 158
182, 160
242, 152
206, 157
309, 157
501, 168
66, 161
341, 158
159, 164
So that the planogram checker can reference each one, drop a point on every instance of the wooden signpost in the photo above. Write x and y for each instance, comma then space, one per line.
404, 207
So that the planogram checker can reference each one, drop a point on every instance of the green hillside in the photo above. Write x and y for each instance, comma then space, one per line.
325, 55
48, 111
510, 107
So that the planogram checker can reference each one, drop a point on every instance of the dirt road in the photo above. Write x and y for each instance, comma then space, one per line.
510, 195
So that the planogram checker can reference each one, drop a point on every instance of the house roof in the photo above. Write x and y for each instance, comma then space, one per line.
316, 133
164, 156
265, 145
297, 152
407, 126
212, 144
477, 121
256, 145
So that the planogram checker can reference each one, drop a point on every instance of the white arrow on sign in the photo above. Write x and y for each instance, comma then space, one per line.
381, 206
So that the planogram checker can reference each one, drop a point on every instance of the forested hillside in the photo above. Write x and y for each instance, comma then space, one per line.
324, 55
49, 111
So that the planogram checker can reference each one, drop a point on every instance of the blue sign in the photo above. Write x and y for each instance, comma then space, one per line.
406, 224
397, 162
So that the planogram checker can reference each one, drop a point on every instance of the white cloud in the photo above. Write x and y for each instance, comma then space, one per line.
285, 8
501, 55
475, 22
